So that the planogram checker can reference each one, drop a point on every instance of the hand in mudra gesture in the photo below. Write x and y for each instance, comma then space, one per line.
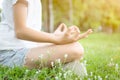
66, 35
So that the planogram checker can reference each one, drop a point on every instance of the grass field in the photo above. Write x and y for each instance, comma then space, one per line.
102, 54
102, 59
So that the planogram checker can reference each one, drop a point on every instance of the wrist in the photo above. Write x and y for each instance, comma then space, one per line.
53, 38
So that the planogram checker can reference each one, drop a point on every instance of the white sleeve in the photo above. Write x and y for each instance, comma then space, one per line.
15, 1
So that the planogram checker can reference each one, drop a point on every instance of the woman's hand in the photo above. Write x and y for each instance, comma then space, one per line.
64, 35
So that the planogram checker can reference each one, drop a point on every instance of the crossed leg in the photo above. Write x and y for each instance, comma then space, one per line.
51, 52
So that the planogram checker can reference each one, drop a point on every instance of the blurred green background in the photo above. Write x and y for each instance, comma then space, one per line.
100, 15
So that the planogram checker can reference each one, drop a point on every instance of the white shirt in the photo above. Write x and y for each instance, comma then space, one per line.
8, 39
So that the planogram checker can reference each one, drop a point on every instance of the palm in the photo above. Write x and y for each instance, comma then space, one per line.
71, 34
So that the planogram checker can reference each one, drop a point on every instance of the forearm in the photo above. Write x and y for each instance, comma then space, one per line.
35, 36
22, 31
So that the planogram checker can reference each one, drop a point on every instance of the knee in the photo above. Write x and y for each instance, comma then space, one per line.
78, 50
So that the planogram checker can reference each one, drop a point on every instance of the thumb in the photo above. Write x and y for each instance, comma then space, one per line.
62, 28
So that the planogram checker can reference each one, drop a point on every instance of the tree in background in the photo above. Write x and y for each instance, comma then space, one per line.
70, 11
96, 14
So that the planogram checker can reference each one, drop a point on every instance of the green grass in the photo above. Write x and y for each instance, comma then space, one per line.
102, 58
102, 53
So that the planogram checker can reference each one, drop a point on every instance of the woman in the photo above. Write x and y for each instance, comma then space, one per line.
22, 44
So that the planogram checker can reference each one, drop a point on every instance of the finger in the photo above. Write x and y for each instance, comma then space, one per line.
60, 27
64, 28
74, 29
89, 31
74, 35
84, 35
77, 38
71, 30
77, 29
